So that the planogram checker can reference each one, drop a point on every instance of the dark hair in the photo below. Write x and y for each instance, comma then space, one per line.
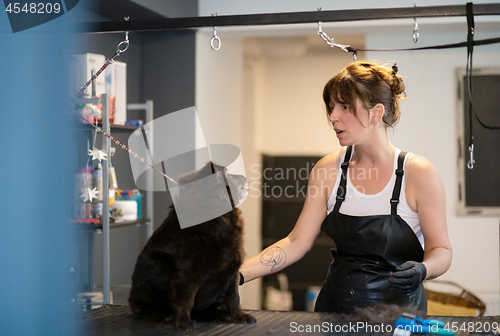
372, 84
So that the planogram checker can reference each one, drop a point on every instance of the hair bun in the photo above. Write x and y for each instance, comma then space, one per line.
397, 85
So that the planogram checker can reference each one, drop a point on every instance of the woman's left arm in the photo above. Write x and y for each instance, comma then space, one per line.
430, 201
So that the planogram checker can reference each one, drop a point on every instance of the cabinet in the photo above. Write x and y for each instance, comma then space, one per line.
284, 192
85, 269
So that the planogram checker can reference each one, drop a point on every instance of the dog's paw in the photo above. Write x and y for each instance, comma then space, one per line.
244, 318
184, 326
249, 318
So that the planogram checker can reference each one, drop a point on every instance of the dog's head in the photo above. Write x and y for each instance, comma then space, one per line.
209, 193
210, 188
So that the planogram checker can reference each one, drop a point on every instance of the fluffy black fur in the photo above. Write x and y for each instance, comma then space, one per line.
385, 314
193, 272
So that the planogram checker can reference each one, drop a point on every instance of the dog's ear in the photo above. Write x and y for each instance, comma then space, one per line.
218, 168
211, 168
208, 169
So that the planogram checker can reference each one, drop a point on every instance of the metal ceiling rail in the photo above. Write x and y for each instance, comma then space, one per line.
287, 18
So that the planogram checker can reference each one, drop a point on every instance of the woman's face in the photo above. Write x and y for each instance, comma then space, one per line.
347, 127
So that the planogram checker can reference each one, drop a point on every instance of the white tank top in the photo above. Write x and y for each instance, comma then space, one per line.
359, 204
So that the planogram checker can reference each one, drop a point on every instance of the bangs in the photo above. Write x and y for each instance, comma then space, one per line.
342, 90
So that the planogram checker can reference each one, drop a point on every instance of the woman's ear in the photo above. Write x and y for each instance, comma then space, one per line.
377, 113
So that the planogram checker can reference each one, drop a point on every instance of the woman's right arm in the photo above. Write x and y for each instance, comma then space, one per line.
301, 239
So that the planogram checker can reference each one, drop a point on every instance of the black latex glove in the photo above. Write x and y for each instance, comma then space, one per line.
408, 276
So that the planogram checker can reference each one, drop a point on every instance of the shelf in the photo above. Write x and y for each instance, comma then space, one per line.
83, 202
104, 224
85, 127
124, 127
112, 225
116, 225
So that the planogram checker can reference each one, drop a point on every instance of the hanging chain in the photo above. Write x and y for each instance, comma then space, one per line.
331, 42
130, 151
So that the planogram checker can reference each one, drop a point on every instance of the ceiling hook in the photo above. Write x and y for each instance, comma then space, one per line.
215, 38
415, 29
123, 45
320, 31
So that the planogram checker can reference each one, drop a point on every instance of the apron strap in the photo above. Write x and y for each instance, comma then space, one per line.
341, 190
397, 186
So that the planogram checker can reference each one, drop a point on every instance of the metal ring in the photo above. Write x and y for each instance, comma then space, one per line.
215, 38
118, 50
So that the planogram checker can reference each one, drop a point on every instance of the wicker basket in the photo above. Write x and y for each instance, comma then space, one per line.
447, 304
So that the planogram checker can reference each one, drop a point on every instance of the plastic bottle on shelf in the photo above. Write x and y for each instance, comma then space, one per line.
133, 195
88, 184
83, 180
97, 177
137, 196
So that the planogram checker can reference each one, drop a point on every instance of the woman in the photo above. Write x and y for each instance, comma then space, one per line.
378, 204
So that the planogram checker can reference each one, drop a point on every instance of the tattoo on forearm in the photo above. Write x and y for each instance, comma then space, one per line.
274, 257
432, 276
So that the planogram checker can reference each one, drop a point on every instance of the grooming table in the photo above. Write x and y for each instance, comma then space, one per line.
112, 320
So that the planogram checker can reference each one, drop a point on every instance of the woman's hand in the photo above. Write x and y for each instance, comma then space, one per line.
408, 276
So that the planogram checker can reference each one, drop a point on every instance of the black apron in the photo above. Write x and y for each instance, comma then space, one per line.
368, 248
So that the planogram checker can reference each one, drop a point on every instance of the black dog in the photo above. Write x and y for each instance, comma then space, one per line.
194, 271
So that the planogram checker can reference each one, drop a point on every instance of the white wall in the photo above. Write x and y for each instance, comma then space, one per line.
219, 103
292, 118
286, 114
